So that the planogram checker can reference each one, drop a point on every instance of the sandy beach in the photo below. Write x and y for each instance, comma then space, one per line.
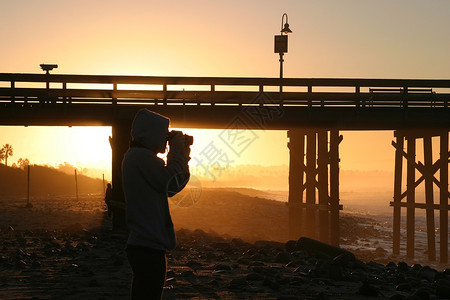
231, 246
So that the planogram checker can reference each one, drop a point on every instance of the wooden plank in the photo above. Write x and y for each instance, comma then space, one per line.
419, 166
428, 160
411, 196
310, 182
293, 117
335, 140
296, 147
420, 133
397, 193
435, 206
350, 82
13, 91
322, 178
416, 184
114, 98
320, 99
443, 198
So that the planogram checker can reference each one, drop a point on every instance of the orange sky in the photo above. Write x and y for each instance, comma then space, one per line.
351, 38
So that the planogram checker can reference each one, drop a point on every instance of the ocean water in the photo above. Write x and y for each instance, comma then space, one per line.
376, 206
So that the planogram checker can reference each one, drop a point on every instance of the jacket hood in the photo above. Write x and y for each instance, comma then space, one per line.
150, 129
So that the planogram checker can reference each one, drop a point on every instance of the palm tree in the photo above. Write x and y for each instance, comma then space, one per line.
23, 163
7, 150
2, 154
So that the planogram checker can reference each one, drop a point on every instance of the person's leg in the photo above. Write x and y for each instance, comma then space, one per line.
149, 272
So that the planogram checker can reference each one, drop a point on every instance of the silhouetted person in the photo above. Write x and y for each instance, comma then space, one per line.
147, 182
108, 198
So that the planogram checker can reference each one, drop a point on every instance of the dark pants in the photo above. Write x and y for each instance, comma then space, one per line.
149, 272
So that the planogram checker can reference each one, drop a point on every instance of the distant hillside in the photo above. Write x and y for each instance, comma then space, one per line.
45, 181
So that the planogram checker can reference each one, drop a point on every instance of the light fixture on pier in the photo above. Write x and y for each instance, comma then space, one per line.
281, 42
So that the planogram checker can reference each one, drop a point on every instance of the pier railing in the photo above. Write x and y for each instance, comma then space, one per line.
33, 89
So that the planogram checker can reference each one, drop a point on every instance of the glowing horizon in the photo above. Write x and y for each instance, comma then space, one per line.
88, 147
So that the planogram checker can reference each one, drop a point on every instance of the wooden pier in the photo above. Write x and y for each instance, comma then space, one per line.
313, 110
427, 170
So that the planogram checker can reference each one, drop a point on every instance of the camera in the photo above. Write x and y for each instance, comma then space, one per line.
188, 139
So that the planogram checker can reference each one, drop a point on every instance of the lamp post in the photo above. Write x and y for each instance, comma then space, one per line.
281, 42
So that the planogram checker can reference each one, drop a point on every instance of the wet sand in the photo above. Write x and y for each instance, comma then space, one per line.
62, 248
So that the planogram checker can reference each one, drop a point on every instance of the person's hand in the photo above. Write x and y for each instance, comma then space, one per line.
177, 141
179, 147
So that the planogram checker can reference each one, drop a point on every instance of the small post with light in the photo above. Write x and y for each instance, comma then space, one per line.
281, 43
48, 67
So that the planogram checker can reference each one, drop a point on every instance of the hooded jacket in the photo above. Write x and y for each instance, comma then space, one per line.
147, 180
